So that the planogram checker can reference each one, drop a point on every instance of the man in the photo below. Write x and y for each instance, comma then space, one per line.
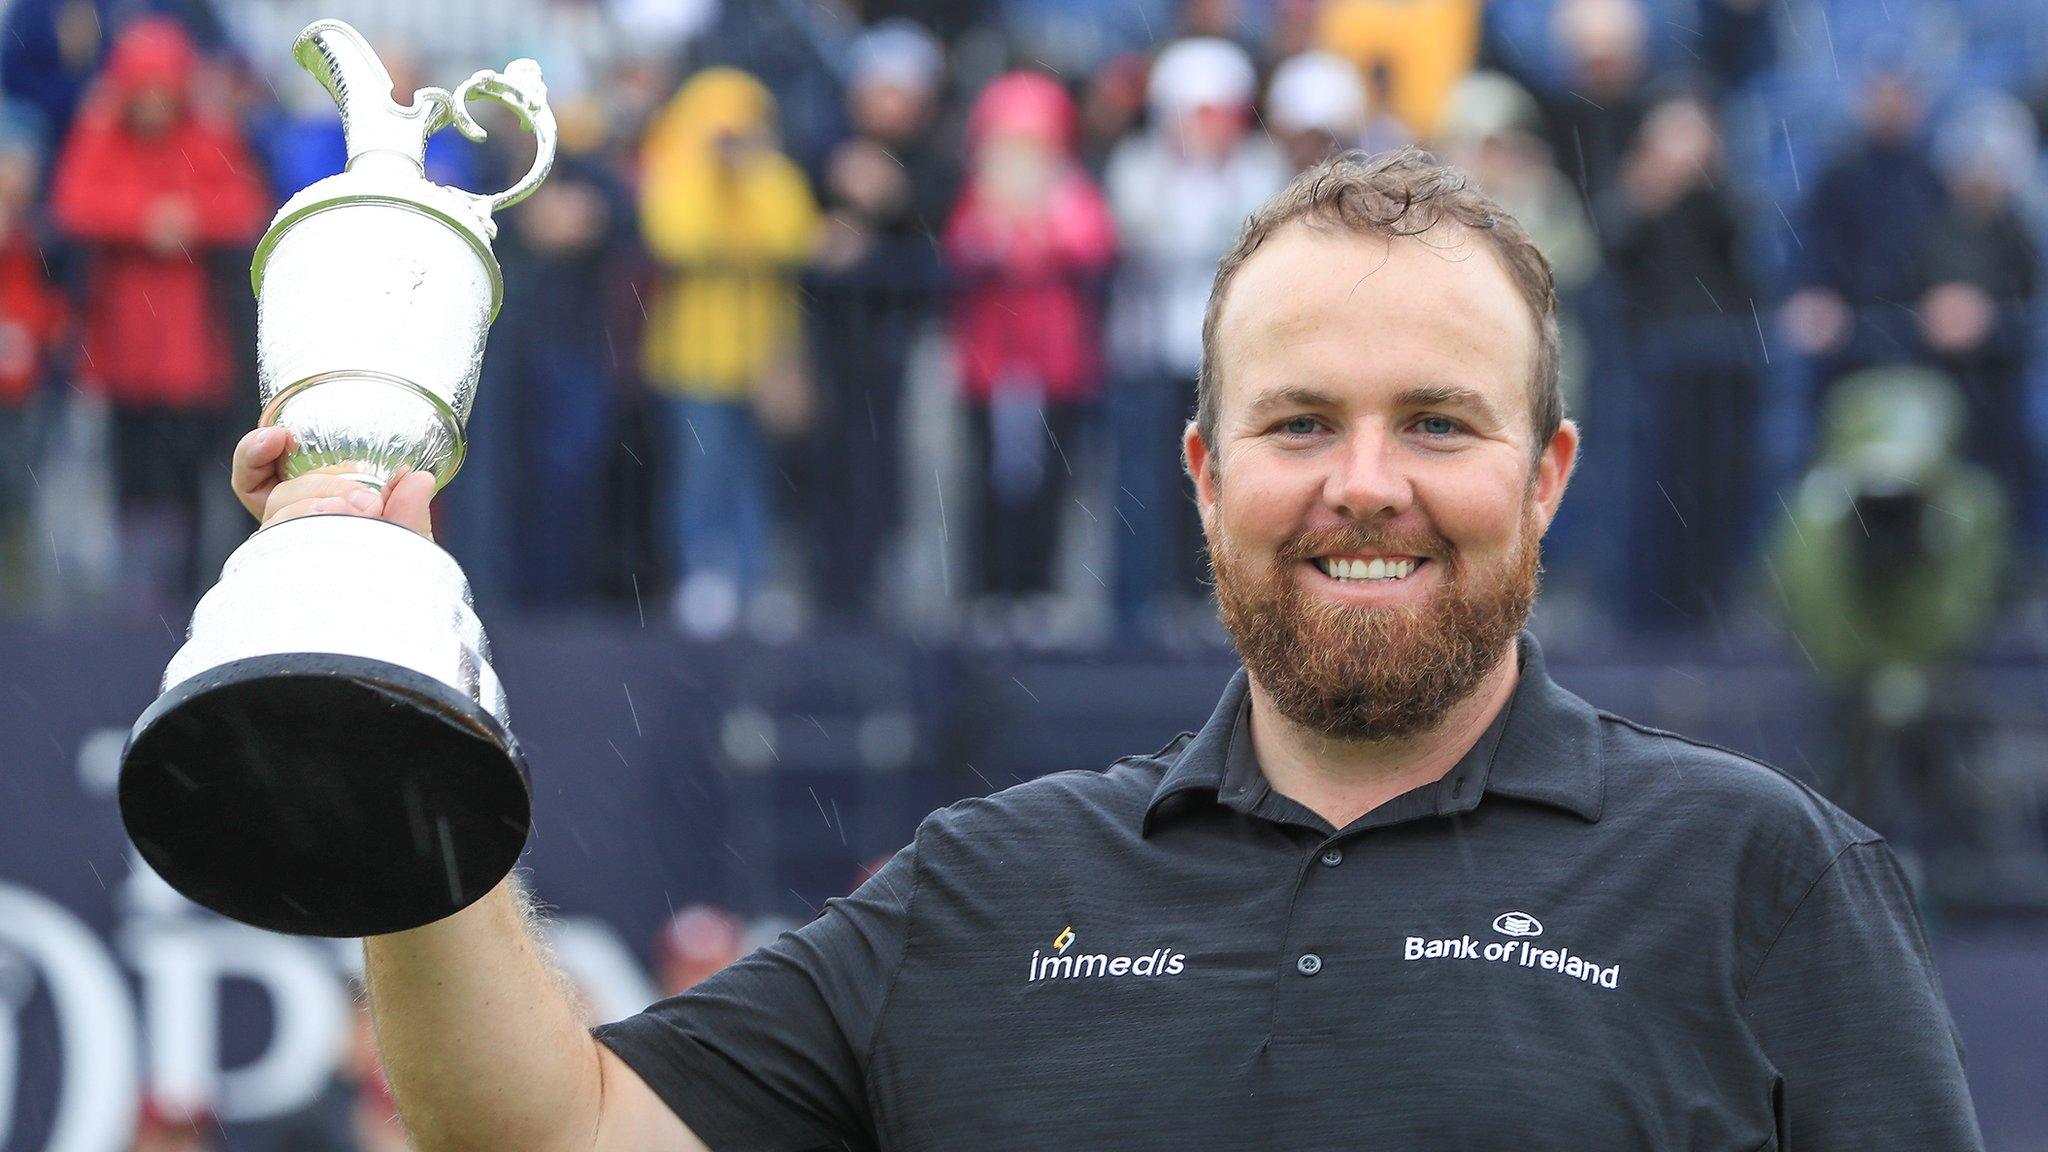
1401, 891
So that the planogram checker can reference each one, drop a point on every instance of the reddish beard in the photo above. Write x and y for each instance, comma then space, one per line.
1382, 673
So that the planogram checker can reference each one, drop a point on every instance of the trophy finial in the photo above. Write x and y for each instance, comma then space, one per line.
373, 123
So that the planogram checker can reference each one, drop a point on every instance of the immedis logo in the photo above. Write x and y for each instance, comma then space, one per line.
1066, 964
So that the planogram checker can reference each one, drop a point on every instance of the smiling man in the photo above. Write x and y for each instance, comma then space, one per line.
1381, 393
1400, 891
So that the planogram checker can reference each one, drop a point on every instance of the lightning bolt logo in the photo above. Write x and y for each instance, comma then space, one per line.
1064, 940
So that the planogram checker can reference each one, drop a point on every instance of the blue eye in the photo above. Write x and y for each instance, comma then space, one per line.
1438, 425
1300, 425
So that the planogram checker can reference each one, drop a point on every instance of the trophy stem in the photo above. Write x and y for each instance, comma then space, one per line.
380, 424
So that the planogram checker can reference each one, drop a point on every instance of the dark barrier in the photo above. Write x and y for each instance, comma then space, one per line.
667, 773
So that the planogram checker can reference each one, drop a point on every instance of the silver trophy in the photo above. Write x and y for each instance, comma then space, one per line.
329, 755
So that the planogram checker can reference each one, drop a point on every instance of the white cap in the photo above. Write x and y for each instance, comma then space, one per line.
1992, 130
1317, 90
1205, 72
899, 53
1486, 104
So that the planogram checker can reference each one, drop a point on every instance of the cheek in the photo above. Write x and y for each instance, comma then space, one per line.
1260, 507
1477, 510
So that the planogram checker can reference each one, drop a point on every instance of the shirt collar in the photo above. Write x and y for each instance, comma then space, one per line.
1543, 747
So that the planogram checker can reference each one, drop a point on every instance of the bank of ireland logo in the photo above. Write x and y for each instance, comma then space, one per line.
1517, 951
1517, 924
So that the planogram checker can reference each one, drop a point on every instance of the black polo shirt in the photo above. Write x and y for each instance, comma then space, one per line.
1588, 934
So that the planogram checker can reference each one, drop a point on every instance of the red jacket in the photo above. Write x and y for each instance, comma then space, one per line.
31, 314
1026, 287
154, 332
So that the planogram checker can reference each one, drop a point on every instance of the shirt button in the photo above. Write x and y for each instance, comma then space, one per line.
1333, 857
1309, 964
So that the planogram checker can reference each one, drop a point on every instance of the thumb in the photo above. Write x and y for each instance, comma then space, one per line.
408, 501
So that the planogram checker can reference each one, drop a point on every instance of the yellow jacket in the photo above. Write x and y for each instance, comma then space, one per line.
1422, 47
731, 235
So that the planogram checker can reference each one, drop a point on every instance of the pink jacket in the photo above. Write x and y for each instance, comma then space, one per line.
1025, 308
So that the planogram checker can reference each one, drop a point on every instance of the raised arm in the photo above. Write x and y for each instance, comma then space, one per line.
484, 1049
479, 1035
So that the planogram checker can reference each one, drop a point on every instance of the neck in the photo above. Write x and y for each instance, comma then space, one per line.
1341, 780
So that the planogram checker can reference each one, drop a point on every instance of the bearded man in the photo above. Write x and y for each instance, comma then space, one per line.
1401, 890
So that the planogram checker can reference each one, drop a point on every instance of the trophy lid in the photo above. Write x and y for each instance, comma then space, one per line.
387, 142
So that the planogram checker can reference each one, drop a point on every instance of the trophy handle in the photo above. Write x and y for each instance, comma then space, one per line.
519, 88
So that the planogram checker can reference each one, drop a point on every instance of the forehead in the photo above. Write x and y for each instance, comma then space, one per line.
1323, 304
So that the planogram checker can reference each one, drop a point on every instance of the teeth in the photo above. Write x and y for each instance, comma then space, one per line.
1377, 568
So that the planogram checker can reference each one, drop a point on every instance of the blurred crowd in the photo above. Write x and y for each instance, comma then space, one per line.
889, 311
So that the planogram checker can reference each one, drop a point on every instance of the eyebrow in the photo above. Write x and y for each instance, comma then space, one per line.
1450, 396
1429, 396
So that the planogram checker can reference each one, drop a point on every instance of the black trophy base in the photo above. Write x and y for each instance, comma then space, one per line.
324, 795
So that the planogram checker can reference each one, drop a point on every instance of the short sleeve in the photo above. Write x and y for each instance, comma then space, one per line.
1847, 1008
770, 1054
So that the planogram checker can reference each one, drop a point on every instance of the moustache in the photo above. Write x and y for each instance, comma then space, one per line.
1358, 539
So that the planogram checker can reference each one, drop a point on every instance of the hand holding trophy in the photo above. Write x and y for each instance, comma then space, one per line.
329, 755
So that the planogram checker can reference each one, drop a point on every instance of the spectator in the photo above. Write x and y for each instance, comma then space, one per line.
1891, 560
1676, 254
31, 315
887, 191
1315, 107
1863, 229
1412, 53
1978, 271
1597, 112
1027, 243
1112, 104
1181, 191
49, 52
1738, 39
533, 514
730, 219
164, 1124
695, 944
156, 185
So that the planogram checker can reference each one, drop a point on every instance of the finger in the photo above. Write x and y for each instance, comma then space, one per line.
409, 499
334, 492
310, 486
254, 472
324, 506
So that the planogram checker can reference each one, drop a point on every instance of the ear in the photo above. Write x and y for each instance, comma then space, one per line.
1201, 466
1554, 469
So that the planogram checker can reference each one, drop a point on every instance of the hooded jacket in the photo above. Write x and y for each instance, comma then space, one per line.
155, 335
729, 235
1025, 301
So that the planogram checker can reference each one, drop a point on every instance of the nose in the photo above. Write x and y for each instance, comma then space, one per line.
1368, 480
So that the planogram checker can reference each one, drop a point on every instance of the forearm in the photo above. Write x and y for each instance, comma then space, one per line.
479, 1036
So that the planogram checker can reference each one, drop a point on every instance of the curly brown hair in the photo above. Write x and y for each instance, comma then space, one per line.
1400, 193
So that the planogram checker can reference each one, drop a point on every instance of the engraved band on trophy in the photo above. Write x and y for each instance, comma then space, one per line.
329, 755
